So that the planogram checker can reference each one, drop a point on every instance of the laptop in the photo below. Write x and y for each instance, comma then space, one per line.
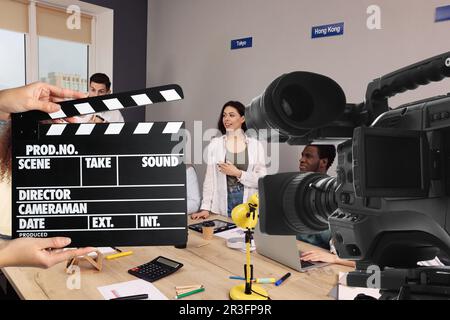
282, 249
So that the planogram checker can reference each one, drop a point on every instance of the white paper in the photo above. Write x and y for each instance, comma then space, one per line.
103, 250
130, 288
236, 239
431, 263
349, 293
232, 233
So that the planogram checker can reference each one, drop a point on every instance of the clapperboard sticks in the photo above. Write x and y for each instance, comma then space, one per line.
101, 184
25, 124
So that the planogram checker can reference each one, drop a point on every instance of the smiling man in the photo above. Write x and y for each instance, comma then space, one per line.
317, 158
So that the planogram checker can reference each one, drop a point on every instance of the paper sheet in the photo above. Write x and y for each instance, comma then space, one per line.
130, 288
431, 263
235, 239
232, 233
103, 250
349, 293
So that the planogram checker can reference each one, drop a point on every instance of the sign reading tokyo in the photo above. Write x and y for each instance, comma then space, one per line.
328, 30
241, 43
442, 13
101, 184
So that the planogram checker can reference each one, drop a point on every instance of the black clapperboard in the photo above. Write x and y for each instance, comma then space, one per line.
106, 184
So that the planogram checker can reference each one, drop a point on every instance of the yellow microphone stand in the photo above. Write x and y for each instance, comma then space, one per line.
246, 216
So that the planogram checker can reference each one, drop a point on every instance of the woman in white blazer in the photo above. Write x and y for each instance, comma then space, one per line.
235, 162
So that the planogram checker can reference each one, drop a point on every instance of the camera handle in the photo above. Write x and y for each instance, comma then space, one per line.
431, 282
408, 78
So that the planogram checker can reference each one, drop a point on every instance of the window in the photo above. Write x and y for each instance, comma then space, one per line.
12, 59
63, 52
63, 63
45, 40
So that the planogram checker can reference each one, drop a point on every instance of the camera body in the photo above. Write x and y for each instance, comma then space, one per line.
393, 189
390, 202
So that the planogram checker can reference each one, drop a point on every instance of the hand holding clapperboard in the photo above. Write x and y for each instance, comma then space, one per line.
101, 184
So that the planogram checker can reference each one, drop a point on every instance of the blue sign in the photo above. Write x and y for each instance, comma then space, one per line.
328, 30
442, 13
241, 43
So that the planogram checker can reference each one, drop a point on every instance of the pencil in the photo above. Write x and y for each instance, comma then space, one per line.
118, 255
189, 287
189, 293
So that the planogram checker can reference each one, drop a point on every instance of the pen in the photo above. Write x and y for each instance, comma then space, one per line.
237, 278
189, 293
265, 280
117, 249
135, 297
118, 255
257, 280
287, 275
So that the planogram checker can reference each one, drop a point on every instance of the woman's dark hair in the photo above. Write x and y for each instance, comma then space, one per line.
5, 152
239, 107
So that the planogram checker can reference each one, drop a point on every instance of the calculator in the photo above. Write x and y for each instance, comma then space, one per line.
155, 269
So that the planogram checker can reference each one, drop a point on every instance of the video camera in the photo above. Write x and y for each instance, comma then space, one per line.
390, 203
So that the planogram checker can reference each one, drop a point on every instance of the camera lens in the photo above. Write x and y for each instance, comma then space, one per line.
293, 96
295, 103
308, 201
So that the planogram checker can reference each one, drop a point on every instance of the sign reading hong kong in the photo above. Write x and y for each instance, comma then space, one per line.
329, 30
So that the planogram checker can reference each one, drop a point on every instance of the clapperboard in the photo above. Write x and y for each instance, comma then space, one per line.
102, 184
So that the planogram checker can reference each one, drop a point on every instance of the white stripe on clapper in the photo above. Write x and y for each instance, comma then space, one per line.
56, 129
170, 95
85, 129
143, 128
114, 128
172, 127
141, 99
84, 108
113, 104
57, 114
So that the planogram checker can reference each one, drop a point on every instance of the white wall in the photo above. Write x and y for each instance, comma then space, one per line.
189, 44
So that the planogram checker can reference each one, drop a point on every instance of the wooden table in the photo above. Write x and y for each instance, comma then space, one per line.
207, 262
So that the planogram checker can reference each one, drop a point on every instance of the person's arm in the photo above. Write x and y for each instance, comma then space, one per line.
247, 178
250, 178
208, 191
208, 187
324, 256
35, 96
192, 191
37, 252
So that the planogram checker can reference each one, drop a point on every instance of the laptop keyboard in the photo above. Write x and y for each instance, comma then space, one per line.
306, 264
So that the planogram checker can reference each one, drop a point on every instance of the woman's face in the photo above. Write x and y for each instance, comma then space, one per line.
90, 118
231, 119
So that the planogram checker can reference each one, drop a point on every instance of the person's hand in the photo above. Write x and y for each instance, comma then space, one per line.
38, 252
324, 256
229, 169
200, 215
319, 256
35, 96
